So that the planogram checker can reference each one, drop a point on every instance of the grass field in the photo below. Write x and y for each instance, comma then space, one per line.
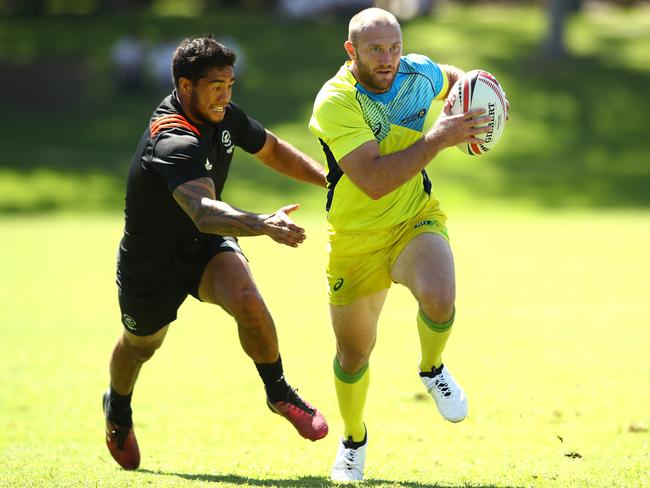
551, 344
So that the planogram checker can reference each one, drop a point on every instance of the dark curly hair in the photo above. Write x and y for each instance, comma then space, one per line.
196, 55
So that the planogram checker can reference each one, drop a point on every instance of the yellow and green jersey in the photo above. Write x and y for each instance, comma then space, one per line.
346, 115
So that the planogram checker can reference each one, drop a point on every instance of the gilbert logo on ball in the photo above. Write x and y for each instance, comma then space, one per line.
480, 89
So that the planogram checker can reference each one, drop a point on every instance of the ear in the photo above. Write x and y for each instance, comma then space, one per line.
349, 48
185, 85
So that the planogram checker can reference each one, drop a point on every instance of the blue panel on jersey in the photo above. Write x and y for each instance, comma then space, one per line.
416, 85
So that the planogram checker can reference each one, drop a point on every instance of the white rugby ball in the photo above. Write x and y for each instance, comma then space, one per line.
480, 89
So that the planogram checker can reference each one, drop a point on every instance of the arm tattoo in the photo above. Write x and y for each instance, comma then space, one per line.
197, 199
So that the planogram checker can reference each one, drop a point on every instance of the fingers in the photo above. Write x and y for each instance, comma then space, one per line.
474, 113
479, 126
281, 229
449, 102
289, 237
474, 140
290, 208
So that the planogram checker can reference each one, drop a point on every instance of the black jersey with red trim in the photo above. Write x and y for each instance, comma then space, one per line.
159, 237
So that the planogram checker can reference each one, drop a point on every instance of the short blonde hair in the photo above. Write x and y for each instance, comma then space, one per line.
369, 17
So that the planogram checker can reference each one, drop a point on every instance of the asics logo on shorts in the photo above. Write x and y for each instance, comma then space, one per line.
424, 222
339, 283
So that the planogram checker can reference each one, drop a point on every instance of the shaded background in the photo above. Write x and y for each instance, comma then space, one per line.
576, 73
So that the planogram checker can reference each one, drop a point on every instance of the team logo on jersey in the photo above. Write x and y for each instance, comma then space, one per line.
226, 140
414, 116
208, 164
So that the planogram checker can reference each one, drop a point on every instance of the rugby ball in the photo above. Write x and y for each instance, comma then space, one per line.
479, 89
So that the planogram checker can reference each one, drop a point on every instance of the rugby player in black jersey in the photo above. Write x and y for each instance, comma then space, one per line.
180, 237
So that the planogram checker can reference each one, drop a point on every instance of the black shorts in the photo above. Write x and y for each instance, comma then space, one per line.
144, 314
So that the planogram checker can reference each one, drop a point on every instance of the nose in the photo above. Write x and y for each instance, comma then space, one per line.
386, 58
225, 95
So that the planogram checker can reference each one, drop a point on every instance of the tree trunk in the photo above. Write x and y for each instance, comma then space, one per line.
557, 13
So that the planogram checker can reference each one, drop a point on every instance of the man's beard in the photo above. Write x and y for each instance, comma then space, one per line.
366, 77
195, 108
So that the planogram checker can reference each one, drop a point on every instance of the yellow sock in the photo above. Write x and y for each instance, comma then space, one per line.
351, 391
433, 337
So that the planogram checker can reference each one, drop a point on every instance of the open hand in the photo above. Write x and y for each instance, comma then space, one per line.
279, 227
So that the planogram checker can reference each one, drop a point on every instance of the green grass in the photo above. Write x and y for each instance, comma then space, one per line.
576, 136
550, 343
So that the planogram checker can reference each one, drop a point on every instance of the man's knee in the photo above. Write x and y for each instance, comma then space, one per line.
142, 354
353, 357
249, 309
438, 303
142, 349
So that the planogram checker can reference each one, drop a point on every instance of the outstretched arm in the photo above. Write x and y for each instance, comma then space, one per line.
286, 159
211, 216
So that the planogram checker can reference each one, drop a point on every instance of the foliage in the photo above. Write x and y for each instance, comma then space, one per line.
575, 138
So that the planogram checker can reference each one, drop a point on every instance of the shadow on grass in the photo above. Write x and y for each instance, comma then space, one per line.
304, 481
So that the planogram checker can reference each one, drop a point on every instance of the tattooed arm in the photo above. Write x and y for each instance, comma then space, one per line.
211, 216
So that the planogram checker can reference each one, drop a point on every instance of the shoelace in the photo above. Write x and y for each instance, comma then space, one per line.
350, 458
294, 400
442, 386
120, 434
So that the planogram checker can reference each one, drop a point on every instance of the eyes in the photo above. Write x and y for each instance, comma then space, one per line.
394, 49
219, 87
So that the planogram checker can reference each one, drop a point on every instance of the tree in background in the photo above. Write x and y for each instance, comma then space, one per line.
554, 45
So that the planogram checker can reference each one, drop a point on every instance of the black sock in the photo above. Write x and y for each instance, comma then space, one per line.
350, 444
273, 377
434, 372
118, 409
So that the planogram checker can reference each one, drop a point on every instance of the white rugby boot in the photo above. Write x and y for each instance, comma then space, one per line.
448, 395
350, 459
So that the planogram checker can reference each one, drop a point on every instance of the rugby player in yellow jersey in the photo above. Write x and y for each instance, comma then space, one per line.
378, 126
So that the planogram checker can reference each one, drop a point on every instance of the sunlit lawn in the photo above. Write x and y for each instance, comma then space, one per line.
551, 344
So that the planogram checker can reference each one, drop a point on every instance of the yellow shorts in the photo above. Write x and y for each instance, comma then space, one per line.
360, 262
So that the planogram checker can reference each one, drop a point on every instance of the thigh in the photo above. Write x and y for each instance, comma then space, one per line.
226, 278
144, 315
358, 266
426, 264
196, 267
